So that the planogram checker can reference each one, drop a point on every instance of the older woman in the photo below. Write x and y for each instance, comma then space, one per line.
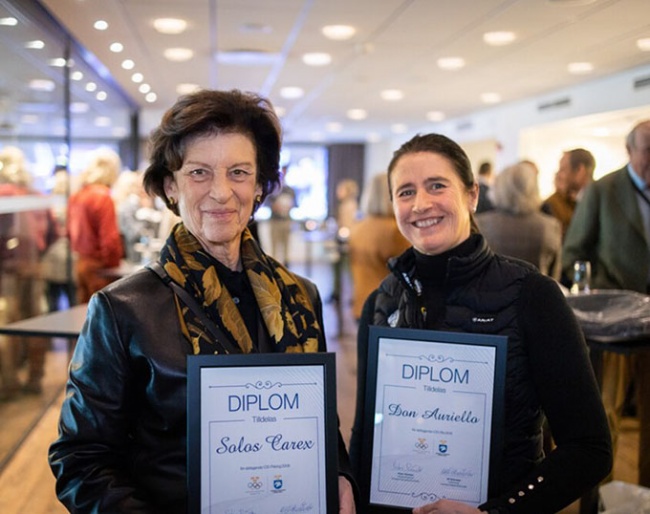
516, 227
450, 280
122, 442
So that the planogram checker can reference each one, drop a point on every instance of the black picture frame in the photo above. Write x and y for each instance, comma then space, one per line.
421, 338
257, 365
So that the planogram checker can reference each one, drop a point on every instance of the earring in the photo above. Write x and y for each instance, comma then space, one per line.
172, 201
258, 200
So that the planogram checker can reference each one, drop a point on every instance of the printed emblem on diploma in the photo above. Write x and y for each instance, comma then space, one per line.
262, 433
434, 404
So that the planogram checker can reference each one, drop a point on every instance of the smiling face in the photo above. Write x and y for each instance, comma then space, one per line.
215, 189
431, 204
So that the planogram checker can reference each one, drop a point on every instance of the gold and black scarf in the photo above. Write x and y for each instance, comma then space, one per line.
281, 297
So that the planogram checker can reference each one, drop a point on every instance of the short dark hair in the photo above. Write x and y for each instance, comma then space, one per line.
443, 146
579, 156
214, 112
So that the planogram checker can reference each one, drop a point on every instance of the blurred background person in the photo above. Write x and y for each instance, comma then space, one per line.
24, 236
373, 240
575, 173
57, 262
92, 224
611, 229
516, 227
485, 180
281, 203
347, 209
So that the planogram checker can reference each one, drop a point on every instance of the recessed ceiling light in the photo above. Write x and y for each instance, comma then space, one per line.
170, 25
76, 75
58, 62
101, 95
333, 126
490, 98
144, 88
37, 44
102, 121
137, 77
79, 107
398, 128
100, 25
42, 85
128, 64
435, 116
499, 38
357, 114
116, 47
317, 59
90, 87
9, 21
151, 97
392, 95
291, 92
247, 57
178, 54
451, 63
338, 32
187, 88
643, 44
580, 68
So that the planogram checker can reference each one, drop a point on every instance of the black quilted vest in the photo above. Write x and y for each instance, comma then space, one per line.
482, 297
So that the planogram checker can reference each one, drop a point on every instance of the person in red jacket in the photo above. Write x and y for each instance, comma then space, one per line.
92, 224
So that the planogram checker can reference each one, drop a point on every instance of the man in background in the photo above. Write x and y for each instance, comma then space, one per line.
576, 171
484, 184
611, 229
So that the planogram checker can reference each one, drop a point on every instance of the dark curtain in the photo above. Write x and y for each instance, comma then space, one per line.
343, 161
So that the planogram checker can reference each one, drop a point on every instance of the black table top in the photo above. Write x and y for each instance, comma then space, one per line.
66, 323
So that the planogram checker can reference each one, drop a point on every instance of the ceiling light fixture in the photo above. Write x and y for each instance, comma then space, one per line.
100, 25
338, 32
580, 68
116, 47
128, 64
435, 116
187, 88
37, 44
490, 98
101, 95
144, 88
42, 85
357, 114
170, 25
58, 62
247, 58
8, 22
76, 75
317, 59
291, 92
392, 95
643, 44
151, 97
137, 77
90, 87
451, 63
499, 38
178, 54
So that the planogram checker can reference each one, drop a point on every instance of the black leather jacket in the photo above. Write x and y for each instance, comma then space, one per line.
122, 432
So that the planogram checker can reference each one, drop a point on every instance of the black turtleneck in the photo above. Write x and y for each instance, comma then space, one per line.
431, 270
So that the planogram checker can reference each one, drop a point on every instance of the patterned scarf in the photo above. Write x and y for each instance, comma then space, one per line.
283, 301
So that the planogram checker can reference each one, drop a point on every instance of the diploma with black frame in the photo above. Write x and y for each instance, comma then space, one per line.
262, 433
433, 417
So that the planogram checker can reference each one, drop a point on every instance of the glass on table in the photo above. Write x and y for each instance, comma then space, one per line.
581, 277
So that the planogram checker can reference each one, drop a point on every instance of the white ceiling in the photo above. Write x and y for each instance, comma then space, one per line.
397, 45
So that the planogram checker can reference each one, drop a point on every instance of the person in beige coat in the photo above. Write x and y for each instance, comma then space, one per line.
373, 240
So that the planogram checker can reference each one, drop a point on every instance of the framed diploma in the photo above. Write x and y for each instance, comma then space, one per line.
433, 417
262, 433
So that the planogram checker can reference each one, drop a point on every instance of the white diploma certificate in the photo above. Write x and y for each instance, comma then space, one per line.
433, 420
263, 439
